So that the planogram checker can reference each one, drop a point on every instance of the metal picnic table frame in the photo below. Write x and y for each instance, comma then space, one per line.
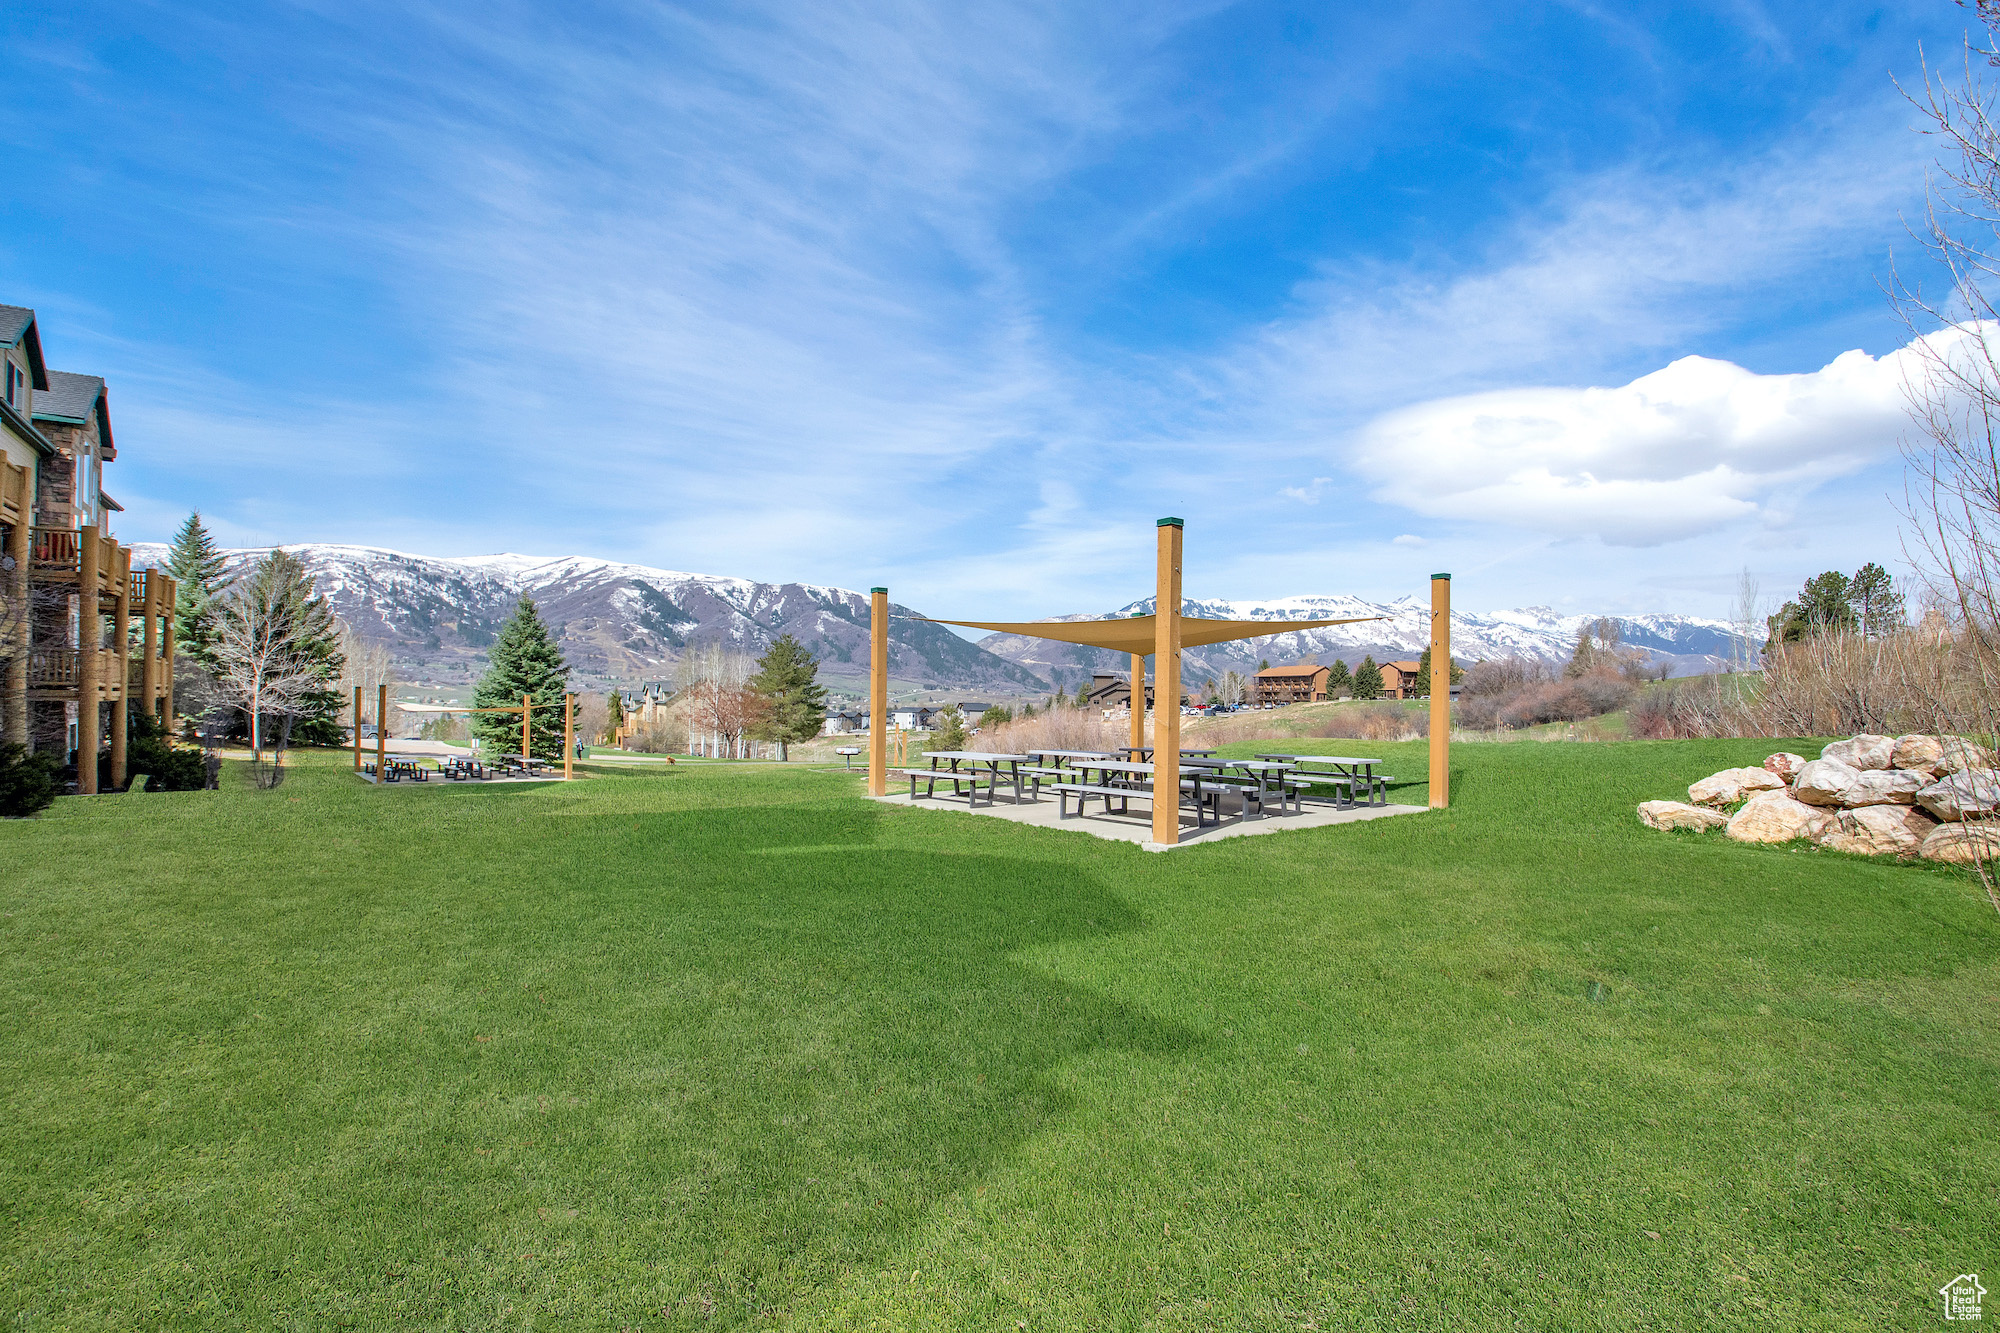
526, 708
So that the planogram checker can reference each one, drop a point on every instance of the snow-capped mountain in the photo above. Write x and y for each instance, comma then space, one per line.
1685, 643
619, 622
628, 623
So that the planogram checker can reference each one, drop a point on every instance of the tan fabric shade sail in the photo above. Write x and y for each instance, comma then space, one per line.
1135, 634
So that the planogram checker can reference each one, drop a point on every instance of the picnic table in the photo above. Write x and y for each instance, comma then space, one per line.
1144, 753
1358, 773
526, 763
1270, 778
992, 762
1123, 779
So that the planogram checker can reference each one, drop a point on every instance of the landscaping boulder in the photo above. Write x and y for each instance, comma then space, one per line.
1679, 814
1958, 754
1732, 785
1773, 816
1878, 830
1917, 753
1976, 791
1893, 786
1825, 782
1785, 764
1864, 751
1962, 844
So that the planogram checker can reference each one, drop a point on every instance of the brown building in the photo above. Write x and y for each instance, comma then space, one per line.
1399, 680
82, 633
1303, 683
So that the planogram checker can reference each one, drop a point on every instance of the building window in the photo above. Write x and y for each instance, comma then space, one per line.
12, 376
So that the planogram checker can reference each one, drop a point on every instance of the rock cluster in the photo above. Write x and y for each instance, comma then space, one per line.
1870, 795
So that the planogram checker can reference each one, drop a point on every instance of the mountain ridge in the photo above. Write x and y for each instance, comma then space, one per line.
624, 623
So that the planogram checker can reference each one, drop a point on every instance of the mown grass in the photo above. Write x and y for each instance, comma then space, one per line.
733, 1048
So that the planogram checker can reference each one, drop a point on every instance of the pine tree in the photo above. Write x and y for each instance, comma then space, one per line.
994, 716
1367, 679
196, 564
614, 717
1878, 607
1823, 604
1420, 688
788, 680
1339, 678
524, 660
1583, 657
1083, 694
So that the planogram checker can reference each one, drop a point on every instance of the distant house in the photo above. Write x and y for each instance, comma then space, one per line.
913, 717
1109, 691
844, 721
1399, 680
1301, 683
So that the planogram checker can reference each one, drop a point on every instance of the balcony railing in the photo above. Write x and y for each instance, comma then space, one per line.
60, 670
57, 557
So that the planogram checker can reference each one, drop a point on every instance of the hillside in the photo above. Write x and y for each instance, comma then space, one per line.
1686, 644
618, 622
627, 623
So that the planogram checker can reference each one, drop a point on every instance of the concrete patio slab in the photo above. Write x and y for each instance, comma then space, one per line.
1137, 827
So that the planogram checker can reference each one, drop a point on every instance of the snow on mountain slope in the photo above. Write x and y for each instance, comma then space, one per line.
624, 622
619, 622
1400, 631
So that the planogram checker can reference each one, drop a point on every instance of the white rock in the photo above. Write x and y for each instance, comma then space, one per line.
1679, 814
1976, 791
1962, 844
1878, 830
1917, 752
1773, 816
1825, 782
1893, 786
1785, 764
1864, 751
1732, 785
1959, 754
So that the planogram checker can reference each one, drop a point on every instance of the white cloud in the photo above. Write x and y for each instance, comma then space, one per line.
1685, 450
1410, 540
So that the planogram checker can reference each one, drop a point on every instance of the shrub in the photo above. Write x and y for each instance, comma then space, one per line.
27, 781
149, 750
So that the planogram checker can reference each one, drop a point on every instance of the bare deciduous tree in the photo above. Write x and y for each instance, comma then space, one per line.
267, 633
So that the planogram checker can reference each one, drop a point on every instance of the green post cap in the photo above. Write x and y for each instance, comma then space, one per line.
1445, 577
1170, 523
878, 590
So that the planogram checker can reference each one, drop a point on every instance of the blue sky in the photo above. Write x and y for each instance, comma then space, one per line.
960, 299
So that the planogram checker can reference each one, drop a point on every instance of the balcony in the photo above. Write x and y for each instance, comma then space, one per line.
57, 673
57, 557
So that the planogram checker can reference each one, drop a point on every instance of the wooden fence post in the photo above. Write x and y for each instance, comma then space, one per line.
1167, 685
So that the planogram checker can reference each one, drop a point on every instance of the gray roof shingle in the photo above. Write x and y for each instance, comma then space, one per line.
73, 397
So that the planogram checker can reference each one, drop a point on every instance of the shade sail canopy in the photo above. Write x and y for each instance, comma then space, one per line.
1135, 634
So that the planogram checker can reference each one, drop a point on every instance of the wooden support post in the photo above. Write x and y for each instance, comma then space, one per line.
121, 638
357, 728
569, 734
89, 639
527, 711
169, 627
878, 691
1440, 691
381, 732
14, 719
1138, 699
1167, 687
149, 643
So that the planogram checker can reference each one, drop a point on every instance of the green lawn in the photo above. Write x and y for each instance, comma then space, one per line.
730, 1047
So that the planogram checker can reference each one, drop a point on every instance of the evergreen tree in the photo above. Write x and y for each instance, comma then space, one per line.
1878, 607
948, 730
1421, 687
196, 564
1367, 679
1083, 694
787, 680
1339, 678
614, 717
1824, 604
1583, 657
994, 716
1264, 665
524, 660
